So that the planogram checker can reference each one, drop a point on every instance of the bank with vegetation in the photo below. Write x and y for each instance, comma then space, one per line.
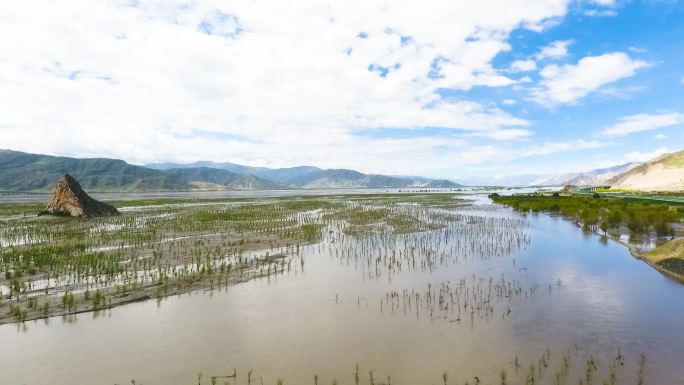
639, 220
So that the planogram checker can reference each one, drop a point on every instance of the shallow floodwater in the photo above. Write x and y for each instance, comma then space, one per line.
113, 196
578, 294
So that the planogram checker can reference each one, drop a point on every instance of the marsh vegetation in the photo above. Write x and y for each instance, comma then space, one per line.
58, 265
569, 366
363, 289
603, 213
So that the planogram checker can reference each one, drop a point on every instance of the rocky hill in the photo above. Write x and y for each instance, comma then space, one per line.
600, 176
68, 198
664, 173
211, 178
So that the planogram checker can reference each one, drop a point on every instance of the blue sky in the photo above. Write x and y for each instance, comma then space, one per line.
455, 89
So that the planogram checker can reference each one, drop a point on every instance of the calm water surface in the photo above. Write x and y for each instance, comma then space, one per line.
579, 293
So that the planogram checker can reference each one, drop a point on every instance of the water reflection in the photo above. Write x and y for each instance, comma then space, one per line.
571, 293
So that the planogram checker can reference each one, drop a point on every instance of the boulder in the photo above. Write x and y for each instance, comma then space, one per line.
68, 198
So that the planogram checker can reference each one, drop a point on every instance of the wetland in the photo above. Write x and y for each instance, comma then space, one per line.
402, 288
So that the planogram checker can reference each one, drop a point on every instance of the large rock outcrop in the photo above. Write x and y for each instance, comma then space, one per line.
68, 198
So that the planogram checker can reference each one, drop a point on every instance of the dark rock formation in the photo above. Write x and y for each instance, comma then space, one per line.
68, 198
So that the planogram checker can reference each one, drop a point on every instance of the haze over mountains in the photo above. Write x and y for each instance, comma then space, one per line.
594, 177
21, 171
314, 177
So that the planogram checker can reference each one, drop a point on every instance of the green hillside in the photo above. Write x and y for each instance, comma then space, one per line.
20, 171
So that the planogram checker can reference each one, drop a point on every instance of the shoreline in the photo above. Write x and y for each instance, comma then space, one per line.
633, 250
640, 256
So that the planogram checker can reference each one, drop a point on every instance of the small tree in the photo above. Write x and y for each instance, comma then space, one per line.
604, 227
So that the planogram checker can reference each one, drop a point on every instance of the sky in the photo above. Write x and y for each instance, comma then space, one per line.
459, 89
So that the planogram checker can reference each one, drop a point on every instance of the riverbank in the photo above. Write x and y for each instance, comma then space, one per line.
668, 257
617, 219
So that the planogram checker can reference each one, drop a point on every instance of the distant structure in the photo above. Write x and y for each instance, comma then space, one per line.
68, 198
593, 188
584, 189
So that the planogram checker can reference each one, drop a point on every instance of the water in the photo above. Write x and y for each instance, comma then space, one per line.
113, 196
578, 292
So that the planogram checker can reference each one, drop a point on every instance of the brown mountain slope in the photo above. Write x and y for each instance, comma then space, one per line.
664, 173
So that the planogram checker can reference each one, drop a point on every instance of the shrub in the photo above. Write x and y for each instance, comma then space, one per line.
663, 229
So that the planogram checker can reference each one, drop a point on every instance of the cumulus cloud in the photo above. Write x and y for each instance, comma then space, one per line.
643, 122
281, 83
568, 83
600, 12
557, 49
523, 66
267, 83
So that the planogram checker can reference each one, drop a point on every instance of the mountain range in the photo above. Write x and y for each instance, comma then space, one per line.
314, 177
20, 171
594, 177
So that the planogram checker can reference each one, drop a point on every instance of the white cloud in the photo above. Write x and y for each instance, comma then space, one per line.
508, 102
660, 136
556, 147
682, 80
267, 82
271, 83
557, 49
600, 12
569, 83
643, 122
523, 66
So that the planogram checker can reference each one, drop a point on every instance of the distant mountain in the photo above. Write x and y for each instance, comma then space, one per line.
21, 171
588, 178
440, 183
212, 178
664, 173
553, 180
314, 177
342, 178
600, 176
279, 175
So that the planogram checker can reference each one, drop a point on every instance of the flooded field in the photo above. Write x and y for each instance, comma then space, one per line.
373, 289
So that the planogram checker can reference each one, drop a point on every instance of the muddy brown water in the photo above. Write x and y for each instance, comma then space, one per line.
580, 295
